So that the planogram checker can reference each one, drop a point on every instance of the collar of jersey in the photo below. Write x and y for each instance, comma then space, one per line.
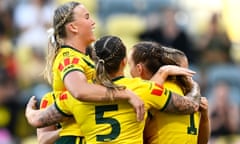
67, 46
117, 78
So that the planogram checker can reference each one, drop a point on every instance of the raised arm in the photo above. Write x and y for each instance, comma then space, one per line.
164, 71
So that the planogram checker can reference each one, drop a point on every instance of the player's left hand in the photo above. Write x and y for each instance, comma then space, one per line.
30, 108
203, 106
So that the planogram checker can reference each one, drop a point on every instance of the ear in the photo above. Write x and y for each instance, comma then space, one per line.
124, 61
72, 27
140, 69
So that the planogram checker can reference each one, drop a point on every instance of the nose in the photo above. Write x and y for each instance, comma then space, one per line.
93, 22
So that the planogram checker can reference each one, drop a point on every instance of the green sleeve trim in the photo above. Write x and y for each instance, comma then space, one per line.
168, 100
59, 110
88, 63
54, 97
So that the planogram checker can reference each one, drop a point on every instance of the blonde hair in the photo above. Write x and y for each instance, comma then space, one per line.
62, 15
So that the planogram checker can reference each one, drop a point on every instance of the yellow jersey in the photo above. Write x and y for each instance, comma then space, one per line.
114, 122
67, 60
47, 100
169, 128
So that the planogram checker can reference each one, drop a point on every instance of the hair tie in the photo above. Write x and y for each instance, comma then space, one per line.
101, 61
51, 35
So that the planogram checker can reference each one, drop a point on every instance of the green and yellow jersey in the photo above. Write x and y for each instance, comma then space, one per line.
70, 126
47, 100
114, 122
169, 128
67, 60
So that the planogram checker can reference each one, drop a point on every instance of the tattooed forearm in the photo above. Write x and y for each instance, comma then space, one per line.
49, 116
181, 105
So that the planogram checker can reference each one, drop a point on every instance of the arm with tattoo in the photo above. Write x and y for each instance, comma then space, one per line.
185, 104
181, 104
44, 117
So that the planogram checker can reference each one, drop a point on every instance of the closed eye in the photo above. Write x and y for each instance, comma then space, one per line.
87, 16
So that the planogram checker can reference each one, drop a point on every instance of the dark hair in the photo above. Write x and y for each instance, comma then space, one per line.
148, 53
153, 56
109, 52
174, 54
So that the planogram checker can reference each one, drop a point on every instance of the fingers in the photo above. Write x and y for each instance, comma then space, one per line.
204, 103
203, 106
31, 105
32, 102
176, 70
138, 106
140, 112
187, 72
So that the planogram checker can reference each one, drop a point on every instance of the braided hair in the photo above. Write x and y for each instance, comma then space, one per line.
62, 15
108, 53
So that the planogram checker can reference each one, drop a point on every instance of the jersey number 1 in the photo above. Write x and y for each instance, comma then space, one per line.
99, 110
192, 129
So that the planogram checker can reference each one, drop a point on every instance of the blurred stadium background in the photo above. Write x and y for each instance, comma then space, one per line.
206, 30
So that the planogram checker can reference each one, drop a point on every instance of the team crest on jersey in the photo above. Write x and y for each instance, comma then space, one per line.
66, 54
157, 90
44, 104
63, 96
67, 63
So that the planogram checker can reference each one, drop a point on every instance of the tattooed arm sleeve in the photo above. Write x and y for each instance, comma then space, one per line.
185, 104
181, 104
44, 117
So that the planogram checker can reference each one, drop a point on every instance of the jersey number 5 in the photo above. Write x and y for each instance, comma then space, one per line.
99, 111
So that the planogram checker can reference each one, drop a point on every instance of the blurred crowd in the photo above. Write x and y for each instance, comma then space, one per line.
24, 41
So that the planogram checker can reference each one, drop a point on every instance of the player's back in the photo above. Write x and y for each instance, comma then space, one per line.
115, 122
169, 128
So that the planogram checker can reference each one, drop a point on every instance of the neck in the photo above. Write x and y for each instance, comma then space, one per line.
76, 43
120, 71
117, 74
